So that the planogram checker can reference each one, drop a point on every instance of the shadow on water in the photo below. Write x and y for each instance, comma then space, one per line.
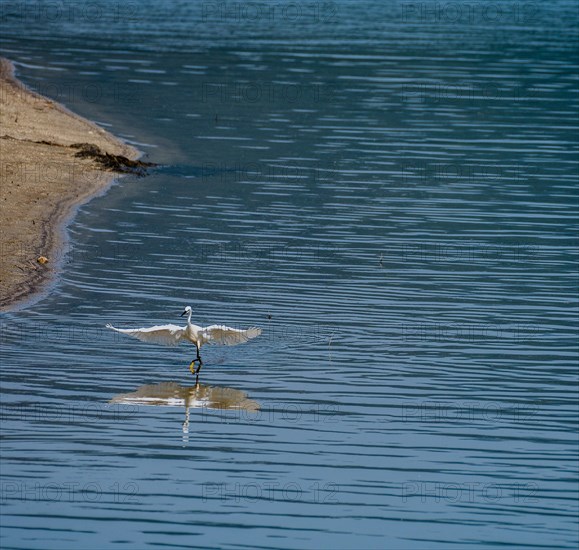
172, 394
206, 170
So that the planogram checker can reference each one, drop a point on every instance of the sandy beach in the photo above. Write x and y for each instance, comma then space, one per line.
51, 160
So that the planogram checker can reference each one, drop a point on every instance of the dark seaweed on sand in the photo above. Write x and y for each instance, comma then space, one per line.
113, 163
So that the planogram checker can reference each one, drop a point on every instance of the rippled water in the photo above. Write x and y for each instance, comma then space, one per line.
390, 192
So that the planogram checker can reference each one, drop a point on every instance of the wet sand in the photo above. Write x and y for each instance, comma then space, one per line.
45, 175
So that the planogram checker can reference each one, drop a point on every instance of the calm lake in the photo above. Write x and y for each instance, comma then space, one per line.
388, 189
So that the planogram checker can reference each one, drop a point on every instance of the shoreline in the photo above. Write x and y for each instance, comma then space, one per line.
52, 161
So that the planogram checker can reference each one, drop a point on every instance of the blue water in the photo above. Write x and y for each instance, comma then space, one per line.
390, 191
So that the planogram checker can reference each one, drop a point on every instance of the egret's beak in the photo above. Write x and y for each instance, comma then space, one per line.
182, 314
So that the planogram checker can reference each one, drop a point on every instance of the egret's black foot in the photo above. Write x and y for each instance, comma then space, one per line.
192, 367
198, 369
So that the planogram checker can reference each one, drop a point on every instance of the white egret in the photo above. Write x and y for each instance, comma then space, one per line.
171, 335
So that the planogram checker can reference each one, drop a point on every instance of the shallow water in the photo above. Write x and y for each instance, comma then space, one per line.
390, 193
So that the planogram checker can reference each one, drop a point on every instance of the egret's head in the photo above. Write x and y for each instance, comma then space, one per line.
187, 311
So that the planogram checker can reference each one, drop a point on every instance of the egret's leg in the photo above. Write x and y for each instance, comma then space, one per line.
192, 364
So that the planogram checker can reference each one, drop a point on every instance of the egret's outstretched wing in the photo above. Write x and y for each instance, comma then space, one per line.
169, 335
220, 334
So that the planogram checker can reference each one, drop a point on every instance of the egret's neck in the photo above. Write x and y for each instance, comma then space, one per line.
189, 317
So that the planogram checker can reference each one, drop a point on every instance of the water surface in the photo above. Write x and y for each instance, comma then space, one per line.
390, 192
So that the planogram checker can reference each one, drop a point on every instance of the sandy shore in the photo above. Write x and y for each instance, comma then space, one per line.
45, 173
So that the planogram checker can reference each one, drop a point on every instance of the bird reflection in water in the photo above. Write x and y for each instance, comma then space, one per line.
171, 394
